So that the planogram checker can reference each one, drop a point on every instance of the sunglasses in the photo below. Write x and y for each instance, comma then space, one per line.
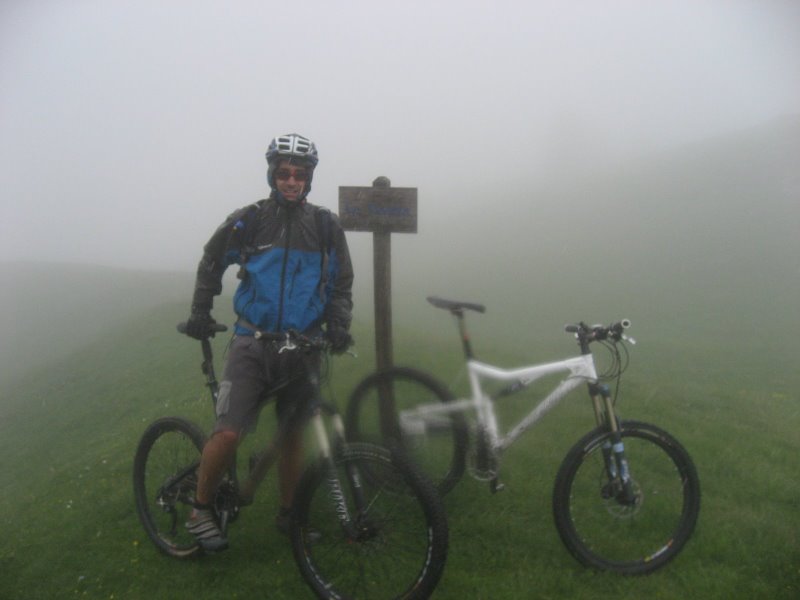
285, 174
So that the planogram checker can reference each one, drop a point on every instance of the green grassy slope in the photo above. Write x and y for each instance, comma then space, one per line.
70, 530
715, 312
49, 310
66, 452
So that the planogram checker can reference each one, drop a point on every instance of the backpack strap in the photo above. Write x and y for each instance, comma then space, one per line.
244, 227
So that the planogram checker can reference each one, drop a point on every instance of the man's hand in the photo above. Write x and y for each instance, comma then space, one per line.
339, 338
199, 325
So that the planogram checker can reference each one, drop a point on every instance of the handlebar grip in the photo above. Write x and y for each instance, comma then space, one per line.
620, 325
216, 327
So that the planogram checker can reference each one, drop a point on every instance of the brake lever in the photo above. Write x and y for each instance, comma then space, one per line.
288, 345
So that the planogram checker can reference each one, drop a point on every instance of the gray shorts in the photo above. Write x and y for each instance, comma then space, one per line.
254, 368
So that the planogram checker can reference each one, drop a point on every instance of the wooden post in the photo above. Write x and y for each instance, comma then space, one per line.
384, 353
382, 270
383, 210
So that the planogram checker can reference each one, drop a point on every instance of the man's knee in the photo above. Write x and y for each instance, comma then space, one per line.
226, 437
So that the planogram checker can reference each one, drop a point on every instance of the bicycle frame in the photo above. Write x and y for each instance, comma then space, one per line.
246, 488
580, 369
267, 458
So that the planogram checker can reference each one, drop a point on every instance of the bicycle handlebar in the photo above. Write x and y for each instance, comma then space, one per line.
292, 339
593, 333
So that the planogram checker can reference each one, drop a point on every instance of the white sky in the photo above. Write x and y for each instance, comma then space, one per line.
129, 129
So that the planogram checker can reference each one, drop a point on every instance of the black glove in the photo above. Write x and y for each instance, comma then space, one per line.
200, 323
339, 338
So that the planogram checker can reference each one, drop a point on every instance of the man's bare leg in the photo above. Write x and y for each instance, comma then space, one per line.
217, 456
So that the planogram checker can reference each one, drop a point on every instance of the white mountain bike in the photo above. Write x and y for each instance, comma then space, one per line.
627, 495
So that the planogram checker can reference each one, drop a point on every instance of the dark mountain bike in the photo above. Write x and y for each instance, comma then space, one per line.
627, 495
366, 522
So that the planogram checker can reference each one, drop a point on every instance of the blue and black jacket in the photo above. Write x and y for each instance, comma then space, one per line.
295, 267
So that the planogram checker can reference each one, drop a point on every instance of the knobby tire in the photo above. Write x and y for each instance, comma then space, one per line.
632, 538
398, 545
164, 483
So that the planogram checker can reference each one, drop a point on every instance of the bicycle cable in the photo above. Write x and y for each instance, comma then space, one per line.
620, 359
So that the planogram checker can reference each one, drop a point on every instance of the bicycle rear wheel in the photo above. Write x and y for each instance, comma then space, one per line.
437, 443
396, 543
164, 483
604, 530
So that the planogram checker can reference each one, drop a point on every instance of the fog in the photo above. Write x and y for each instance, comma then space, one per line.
130, 129
575, 160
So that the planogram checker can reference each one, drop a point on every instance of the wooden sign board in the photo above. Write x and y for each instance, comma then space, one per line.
385, 210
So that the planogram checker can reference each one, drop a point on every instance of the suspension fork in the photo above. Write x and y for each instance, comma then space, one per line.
599, 393
613, 448
336, 489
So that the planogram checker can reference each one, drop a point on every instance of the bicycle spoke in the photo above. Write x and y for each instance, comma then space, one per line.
608, 529
387, 548
164, 483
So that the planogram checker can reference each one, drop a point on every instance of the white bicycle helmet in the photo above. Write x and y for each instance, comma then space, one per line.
295, 148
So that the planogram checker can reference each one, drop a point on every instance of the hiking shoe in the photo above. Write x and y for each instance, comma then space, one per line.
205, 530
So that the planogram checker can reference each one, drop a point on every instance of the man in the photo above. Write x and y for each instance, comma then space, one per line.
295, 274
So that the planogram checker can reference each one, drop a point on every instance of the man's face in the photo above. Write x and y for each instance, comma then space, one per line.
291, 180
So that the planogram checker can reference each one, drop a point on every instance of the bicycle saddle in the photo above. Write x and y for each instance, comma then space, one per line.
455, 305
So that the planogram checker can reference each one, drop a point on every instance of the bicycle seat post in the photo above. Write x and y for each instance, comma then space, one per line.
462, 331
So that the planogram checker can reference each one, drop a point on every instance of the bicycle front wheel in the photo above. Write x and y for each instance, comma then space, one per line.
382, 536
633, 532
435, 442
164, 483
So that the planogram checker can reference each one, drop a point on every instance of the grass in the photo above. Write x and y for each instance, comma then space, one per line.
68, 434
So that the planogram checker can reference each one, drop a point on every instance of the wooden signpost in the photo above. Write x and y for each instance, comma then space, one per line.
383, 210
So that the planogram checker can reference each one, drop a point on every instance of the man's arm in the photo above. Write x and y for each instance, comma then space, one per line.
220, 251
339, 309
208, 282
